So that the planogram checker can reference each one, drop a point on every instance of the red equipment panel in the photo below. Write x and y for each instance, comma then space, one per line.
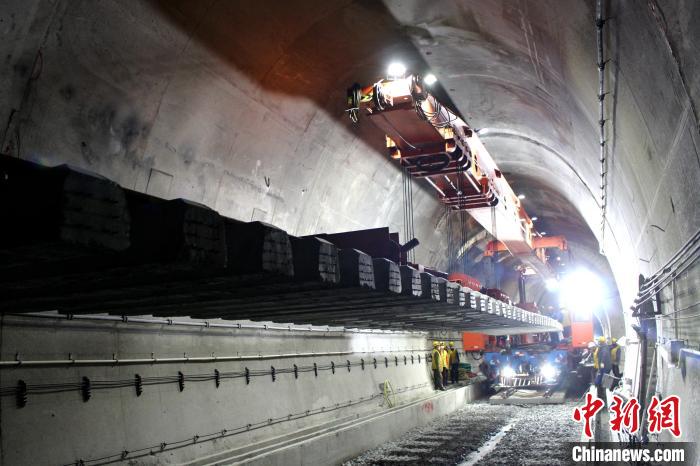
474, 341
581, 333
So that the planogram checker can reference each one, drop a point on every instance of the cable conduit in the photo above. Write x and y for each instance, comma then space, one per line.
206, 324
136, 382
186, 359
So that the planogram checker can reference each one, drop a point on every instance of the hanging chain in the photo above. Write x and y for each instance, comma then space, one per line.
408, 225
494, 258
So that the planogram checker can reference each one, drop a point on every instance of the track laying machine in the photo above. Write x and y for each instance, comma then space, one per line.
432, 143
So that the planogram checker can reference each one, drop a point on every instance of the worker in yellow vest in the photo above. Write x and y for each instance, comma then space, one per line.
615, 358
437, 365
454, 363
445, 363
602, 365
596, 353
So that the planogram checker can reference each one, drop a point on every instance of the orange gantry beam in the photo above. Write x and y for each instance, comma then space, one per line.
435, 144
538, 242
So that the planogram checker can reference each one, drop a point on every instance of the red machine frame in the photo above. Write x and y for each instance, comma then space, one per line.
434, 144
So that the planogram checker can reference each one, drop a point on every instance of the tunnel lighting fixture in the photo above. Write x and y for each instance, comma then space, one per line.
548, 371
534, 219
507, 372
521, 196
581, 291
552, 284
430, 79
542, 233
396, 70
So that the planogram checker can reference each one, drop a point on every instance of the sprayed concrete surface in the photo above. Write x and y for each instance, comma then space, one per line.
484, 434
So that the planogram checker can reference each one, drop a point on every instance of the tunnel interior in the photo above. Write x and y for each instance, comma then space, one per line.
174, 173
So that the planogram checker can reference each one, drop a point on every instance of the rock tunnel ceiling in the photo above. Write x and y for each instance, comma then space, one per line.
239, 106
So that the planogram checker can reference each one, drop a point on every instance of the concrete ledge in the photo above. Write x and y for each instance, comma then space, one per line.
335, 442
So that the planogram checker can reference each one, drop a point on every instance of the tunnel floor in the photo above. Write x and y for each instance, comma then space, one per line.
483, 434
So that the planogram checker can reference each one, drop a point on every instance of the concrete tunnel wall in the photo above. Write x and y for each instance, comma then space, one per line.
241, 108
222, 119
63, 428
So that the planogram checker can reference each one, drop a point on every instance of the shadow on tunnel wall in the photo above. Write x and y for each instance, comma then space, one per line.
313, 49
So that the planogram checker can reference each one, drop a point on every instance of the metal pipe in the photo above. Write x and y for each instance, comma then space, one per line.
435, 186
667, 267
154, 360
206, 324
690, 352
184, 359
672, 268
681, 261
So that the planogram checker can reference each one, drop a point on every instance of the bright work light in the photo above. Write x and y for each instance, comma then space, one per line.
396, 70
581, 291
552, 284
548, 371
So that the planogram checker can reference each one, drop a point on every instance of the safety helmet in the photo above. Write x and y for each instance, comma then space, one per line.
435, 343
601, 339
442, 343
614, 340
452, 344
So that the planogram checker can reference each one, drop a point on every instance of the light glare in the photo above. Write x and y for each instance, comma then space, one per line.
396, 70
430, 79
548, 371
581, 291
552, 284
507, 372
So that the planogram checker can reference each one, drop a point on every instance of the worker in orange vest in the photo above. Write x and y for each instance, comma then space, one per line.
445, 362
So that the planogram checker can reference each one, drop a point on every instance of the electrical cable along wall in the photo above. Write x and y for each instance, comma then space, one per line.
89, 389
162, 447
162, 392
667, 321
22, 390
